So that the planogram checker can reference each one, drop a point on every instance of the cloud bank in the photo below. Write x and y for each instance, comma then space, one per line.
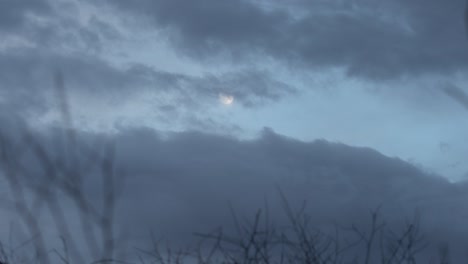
180, 183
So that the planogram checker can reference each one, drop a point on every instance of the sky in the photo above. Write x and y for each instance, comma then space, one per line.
384, 75
266, 89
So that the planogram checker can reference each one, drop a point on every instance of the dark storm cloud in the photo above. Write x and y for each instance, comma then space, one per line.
372, 39
180, 183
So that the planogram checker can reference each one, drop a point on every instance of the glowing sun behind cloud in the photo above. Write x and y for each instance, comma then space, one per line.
226, 99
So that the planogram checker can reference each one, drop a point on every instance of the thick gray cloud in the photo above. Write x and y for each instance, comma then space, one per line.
180, 183
371, 39
194, 176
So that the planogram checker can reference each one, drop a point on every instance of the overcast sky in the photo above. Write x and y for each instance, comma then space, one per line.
364, 73
382, 84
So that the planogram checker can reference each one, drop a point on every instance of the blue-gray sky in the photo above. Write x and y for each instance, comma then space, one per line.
250, 78
366, 73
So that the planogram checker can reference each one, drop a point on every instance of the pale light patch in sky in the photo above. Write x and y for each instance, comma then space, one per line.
226, 99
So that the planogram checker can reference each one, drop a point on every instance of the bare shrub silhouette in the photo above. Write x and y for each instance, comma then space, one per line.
300, 242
